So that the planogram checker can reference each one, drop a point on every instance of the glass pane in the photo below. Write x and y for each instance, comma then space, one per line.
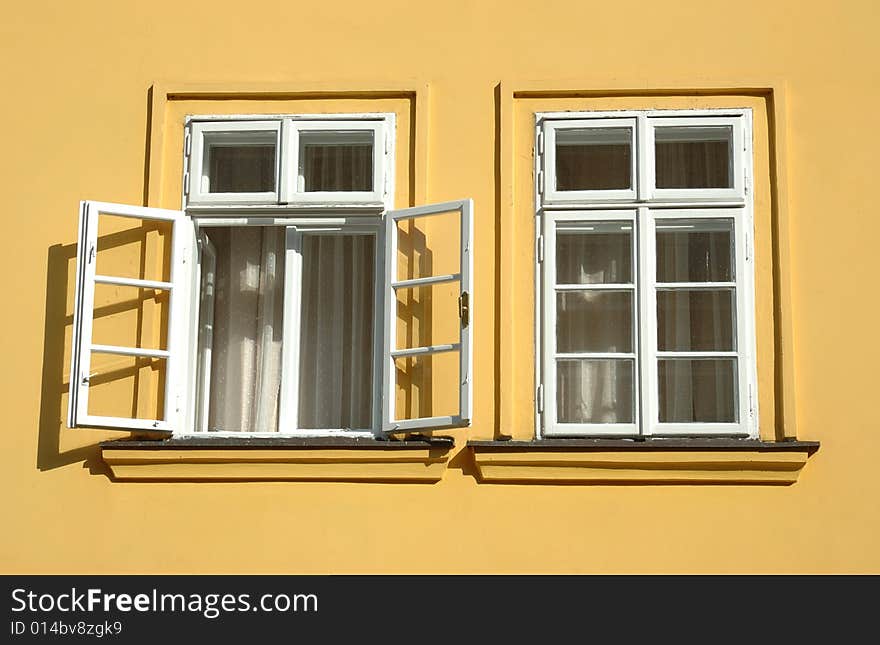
594, 159
429, 246
697, 391
336, 334
594, 391
593, 253
247, 329
130, 317
691, 320
694, 156
133, 248
340, 160
695, 251
239, 162
130, 387
428, 315
427, 385
594, 321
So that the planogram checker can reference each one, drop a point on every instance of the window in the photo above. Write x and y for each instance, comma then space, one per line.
287, 298
644, 251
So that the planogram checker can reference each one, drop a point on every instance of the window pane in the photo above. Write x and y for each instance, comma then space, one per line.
594, 391
594, 159
697, 391
695, 320
239, 162
336, 334
593, 253
247, 329
427, 385
694, 156
335, 161
695, 251
594, 321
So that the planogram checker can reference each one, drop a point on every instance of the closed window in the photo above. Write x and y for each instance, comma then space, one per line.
644, 250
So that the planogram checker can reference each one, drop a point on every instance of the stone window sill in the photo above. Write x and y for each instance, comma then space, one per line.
298, 459
659, 461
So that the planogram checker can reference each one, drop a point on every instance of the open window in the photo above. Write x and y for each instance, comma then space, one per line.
428, 317
273, 328
134, 272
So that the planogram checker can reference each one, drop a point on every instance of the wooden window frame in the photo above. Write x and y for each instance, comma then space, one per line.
649, 206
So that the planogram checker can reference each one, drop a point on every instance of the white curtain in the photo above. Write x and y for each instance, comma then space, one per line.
246, 363
336, 346
594, 390
694, 321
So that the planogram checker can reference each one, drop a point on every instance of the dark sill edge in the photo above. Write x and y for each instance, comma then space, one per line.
595, 445
263, 443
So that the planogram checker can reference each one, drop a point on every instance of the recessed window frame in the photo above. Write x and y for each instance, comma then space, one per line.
649, 207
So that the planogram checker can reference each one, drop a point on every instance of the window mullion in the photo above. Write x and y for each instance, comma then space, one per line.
648, 402
288, 413
645, 159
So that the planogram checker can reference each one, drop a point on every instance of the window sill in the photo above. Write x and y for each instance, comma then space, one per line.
294, 459
652, 461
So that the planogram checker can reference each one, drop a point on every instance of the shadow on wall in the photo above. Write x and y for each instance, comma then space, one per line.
414, 320
119, 386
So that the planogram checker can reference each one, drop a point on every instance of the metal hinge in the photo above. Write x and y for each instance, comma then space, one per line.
541, 182
186, 183
539, 398
540, 143
187, 143
748, 247
464, 309
540, 248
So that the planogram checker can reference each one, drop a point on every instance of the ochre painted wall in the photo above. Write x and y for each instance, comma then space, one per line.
76, 83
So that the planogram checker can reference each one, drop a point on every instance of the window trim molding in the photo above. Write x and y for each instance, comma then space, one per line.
367, 459
772, 92
651, 461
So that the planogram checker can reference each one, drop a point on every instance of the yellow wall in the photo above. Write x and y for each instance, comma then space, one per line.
76, 106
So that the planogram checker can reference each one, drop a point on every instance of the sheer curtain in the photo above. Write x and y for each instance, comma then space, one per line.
693, 390
336, 345
594, 390
246, 361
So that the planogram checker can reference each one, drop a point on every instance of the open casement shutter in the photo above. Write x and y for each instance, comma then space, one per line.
428, 317
134, 270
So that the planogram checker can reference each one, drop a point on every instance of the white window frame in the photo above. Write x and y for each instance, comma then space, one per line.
194, 262
649, 207
547, 176
286, 195
464, 346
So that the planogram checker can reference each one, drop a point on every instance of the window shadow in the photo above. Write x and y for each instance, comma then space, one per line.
53, 434
415, 318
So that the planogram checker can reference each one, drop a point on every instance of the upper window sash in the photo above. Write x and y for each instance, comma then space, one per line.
673, 157
574, 144
708, 153
313, 161
217, 148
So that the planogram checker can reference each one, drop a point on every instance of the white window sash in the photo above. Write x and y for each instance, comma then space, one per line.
390, 424
182, 267
194, 178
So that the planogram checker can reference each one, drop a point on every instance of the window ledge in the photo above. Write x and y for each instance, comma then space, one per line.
284, 458
659, 461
